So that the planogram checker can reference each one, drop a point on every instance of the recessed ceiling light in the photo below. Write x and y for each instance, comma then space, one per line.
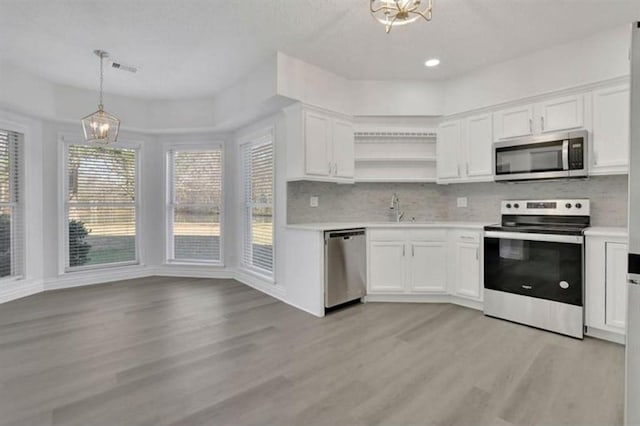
434, 62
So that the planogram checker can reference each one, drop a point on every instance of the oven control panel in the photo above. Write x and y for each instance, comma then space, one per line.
564, 207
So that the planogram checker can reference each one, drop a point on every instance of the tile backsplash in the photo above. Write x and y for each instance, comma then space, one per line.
428, 201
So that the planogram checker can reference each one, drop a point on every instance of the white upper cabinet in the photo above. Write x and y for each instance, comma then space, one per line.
478, 146
449, 140
513, 122
610, 135
561, 114
553, 115
464, 149
343, 149
317, 141
320, 145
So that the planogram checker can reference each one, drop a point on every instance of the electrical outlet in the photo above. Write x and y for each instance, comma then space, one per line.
462, 201
313, 201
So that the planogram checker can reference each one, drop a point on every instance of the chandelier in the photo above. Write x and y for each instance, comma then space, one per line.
101, 126
393, 13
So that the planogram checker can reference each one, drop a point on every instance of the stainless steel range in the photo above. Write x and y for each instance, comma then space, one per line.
534, 264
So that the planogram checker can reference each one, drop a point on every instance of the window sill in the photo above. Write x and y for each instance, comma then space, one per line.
196, 264
106, 267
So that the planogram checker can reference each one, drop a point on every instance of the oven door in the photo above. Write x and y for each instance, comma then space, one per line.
543, 266
528, 160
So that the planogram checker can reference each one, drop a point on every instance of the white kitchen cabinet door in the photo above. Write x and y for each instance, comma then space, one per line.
616, 285
610, 138
513, 122
343, 149
317, 141
386, 266
479, 150
561, 114
448, 147
428, 267
467, 267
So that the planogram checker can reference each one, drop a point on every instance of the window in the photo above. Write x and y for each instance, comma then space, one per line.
195, 200
257, 160
101, 205
11, 205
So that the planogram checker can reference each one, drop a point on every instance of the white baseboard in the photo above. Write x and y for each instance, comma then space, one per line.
606, 335
83, 278
192, 271
425, 298
260, 284
17, 289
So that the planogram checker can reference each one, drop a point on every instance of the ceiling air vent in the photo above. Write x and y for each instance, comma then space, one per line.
123, 67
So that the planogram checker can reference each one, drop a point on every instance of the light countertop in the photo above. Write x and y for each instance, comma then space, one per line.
606, 231
331, 226
594, 231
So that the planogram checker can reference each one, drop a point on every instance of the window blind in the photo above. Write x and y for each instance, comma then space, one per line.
258, 198
11, 205
194, 206
101, 205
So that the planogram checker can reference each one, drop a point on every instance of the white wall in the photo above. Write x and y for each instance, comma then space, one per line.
601, 57
397, 98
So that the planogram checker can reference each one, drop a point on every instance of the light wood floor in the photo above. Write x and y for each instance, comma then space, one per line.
167, 351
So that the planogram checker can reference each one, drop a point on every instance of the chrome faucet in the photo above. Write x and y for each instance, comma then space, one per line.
395, 206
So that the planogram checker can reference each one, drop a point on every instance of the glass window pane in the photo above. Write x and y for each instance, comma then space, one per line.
198, 177
101, 174
262, 237
99, 235
196, 233
5, 242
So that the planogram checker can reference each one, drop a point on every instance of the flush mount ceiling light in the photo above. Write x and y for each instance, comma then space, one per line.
393, 13
101, 126
433, 62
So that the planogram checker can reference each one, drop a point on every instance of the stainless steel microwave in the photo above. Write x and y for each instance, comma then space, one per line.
554, 156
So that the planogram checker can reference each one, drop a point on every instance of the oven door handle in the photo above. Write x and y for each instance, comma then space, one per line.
552, 238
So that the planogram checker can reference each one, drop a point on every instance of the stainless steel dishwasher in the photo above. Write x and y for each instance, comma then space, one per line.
345, 266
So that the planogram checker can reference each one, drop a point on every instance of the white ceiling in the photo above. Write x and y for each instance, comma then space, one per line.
193, 48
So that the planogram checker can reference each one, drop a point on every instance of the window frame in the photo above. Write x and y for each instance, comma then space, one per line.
264, 137
65, 142
19, 205
169, 205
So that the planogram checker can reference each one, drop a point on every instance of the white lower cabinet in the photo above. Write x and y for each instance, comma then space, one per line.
427, 267
606, 284
422, 262
406, 261
467, 281
386, 266
466, 268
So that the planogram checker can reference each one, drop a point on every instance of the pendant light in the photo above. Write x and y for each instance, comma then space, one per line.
393, 13
101, 126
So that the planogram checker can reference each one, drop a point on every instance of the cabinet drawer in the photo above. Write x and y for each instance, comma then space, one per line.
386, 234
466, 237
426, 234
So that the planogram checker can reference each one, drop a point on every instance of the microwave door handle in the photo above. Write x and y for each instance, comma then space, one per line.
565, 155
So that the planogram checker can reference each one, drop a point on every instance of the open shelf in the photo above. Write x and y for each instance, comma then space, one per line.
395, 156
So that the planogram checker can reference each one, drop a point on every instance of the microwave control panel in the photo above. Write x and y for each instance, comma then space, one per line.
576, 154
